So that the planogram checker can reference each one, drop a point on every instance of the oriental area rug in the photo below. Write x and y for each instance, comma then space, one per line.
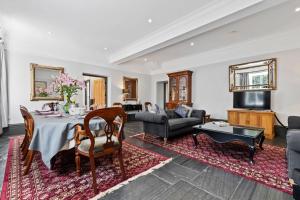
270, 167
63, 183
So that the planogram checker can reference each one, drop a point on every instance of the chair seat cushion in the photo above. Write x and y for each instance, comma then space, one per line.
179, 123
99, 142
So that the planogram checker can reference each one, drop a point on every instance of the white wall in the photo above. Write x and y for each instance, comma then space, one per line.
19, 81
160, 94
210, 85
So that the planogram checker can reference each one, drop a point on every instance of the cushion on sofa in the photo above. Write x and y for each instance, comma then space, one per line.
160, 110
190, 110
181, 111
179, 123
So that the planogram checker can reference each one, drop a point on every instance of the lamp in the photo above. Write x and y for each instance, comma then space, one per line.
125, 91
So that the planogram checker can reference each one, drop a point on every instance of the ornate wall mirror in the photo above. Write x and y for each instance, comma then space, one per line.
258, 75
41, 78
130, 90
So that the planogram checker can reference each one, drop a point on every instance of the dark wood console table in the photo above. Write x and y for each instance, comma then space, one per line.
132, 107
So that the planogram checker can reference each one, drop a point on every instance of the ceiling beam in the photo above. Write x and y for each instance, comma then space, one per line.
211, 16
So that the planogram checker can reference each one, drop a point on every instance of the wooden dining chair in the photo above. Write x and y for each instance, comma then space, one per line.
95, 147
117, 104
146, 105
29, 128
25, 141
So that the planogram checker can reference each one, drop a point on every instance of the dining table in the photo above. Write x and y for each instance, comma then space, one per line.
55, 133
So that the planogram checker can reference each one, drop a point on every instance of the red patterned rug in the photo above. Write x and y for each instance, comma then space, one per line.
63, 183
270, 166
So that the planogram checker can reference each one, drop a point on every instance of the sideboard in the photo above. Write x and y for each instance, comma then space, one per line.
253, 118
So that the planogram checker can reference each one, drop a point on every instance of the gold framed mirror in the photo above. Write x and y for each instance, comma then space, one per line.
130, 88
41, 78
257, 75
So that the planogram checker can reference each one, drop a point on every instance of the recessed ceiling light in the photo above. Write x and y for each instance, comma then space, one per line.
192, 44
49, 33
145, 59
149, 20
105, 48
297, 9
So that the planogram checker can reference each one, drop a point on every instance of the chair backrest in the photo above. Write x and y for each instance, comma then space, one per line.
28, 121
23, 107
95, 107
146, 105
115, 118
117, 104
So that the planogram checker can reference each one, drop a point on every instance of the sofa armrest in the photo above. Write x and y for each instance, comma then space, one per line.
296, 176
151, 117
294, 122
199, 114
293, 139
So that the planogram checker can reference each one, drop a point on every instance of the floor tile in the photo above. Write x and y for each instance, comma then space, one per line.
143, 188
174, 172
183, 190
190, 163
218, 182
250, 190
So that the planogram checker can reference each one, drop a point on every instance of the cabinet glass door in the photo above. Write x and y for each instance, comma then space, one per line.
182, 88
173, 89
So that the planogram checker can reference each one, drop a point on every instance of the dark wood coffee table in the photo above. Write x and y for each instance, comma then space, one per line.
224, 134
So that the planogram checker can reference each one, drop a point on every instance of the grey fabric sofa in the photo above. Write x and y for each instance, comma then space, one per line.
293, 153
171, 124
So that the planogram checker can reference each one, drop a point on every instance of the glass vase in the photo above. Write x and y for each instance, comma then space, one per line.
68, 104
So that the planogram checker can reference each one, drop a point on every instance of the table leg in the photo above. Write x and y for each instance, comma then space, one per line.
194, 135
252, 151
262, 139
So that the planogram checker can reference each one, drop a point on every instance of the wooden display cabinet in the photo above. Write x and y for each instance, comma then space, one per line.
180, 89
252, 118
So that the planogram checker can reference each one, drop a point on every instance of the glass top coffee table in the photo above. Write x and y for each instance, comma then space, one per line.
224, 134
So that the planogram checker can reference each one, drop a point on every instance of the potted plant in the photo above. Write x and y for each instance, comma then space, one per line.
67, 86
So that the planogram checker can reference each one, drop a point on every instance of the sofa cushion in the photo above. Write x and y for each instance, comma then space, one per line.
181, 111
190, 110
179, 123
99, 142
160, 110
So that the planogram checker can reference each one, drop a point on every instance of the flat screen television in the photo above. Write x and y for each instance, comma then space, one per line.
256, 100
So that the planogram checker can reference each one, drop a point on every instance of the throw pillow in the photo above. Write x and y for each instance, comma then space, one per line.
181, 111
190, 110
160, 111
152, 109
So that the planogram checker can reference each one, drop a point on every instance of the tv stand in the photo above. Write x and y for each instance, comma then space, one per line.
253, 118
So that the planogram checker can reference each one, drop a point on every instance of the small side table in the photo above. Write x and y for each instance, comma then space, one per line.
207, 118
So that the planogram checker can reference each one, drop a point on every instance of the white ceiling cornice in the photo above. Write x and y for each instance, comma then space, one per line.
213, 15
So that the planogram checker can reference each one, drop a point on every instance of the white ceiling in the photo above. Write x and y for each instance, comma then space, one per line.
88, 26
80, 30
278, 19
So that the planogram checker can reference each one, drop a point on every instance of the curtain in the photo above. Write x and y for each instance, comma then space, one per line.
3, 88
99, 92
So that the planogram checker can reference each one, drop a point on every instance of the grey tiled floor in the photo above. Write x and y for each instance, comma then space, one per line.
182, 178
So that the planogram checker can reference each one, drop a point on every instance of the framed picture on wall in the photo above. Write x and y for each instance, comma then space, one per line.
41, 78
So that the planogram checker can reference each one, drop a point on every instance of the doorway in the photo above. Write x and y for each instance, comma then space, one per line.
161, 93
95, 93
